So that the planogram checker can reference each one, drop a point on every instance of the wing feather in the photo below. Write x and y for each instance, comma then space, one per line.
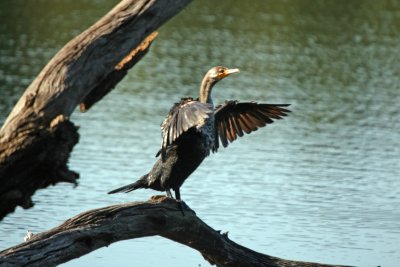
244, 123
184, 115
252, 122
236, 125
232, 129
222, 126
259, 119
234, 118
229, 135
170, 131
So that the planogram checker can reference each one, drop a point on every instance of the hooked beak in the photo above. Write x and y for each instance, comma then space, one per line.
228, 72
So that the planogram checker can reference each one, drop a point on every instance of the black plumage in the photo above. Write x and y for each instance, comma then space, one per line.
193, 128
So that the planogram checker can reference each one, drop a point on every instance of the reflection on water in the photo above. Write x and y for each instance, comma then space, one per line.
321, 185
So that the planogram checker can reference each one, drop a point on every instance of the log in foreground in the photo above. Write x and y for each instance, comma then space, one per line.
37, 138
160, 215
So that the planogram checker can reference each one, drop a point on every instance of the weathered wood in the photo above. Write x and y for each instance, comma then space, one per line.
119, 72
37, 137
161, 216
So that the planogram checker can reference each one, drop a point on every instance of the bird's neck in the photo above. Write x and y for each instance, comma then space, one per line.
205, 91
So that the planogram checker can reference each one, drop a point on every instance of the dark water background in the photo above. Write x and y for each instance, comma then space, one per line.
322, 185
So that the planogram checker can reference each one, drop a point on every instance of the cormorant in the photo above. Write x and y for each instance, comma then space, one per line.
193, 128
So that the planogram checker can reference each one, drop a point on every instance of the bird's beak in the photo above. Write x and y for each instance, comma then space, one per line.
229, 72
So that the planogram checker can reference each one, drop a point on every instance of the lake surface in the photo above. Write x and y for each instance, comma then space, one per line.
321, 185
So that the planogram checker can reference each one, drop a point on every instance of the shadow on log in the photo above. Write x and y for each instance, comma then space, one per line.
160, 215
37, 138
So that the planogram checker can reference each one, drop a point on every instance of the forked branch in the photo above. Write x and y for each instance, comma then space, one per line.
161, 216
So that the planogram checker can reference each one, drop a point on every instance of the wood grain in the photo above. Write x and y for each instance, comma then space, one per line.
37, 137
160, 215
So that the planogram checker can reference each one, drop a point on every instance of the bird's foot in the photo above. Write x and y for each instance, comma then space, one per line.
168, 192
181, 206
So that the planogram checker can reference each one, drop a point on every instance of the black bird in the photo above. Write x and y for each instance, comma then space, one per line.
193, 128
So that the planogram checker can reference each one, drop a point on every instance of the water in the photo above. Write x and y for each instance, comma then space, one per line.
321, 185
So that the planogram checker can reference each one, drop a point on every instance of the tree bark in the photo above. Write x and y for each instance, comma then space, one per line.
160, 215
37, 138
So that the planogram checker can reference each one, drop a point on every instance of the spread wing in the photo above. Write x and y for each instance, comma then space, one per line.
184, 115
232, 118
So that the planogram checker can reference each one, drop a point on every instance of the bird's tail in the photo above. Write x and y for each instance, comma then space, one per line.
130, 187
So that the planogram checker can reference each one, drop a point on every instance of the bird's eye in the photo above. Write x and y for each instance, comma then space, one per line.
221, 73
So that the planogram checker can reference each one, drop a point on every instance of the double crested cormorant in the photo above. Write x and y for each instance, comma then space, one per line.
193, 128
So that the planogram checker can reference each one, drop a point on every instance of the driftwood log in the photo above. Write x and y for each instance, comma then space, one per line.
37, 137
161, 216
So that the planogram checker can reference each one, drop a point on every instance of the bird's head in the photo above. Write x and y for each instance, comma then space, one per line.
218, 73
210, 79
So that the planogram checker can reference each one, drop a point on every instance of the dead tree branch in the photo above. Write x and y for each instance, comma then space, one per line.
161, 216
37, 138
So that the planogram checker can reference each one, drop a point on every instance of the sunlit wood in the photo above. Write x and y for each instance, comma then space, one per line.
37, 138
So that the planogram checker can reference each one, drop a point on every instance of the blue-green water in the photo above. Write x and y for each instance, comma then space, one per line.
321, 185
